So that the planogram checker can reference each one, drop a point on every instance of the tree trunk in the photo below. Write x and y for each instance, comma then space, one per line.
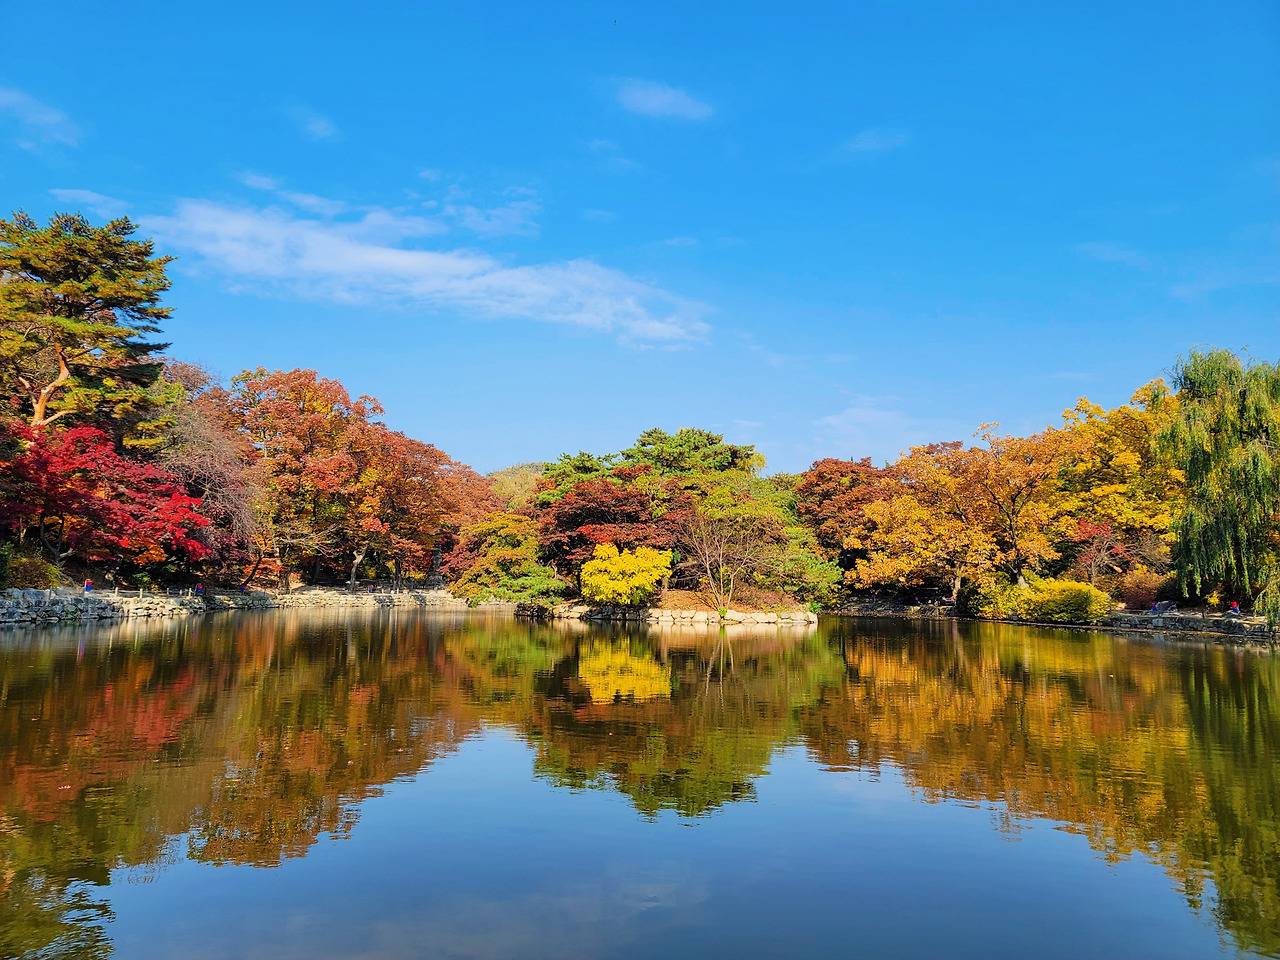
283, 556
356, 559
40, 417
253, 571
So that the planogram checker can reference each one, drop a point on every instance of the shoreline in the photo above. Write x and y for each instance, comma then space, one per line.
23, 607
34, 607
1177, 626
664, 616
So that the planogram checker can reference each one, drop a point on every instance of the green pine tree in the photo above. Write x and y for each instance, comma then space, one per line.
76, 304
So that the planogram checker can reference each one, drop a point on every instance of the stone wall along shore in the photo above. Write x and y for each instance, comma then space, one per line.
661, 616
55, 606
1241, 629
1250, 629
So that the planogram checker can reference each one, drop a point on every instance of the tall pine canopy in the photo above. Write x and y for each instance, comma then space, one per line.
1226, 437
76, 304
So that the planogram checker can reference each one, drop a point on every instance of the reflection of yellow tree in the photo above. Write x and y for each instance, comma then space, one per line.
730, 706
612, 672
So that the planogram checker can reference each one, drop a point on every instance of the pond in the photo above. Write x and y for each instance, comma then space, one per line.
397, 784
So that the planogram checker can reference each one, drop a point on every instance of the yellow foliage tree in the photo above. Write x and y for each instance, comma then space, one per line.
1118, 487
630, 577
951, 513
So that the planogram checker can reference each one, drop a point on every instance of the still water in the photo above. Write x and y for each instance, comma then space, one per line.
414, 785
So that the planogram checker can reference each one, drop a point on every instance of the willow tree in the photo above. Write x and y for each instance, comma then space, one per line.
1226, 439
76, 305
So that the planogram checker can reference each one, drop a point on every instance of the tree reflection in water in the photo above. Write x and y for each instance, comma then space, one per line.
245, 739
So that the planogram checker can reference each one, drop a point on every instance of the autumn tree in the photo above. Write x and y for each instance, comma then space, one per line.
498, 558
610, 509
517, 485
199, 446
571, 469
1119, 490
403, 497
628, 577
830, 498
953, 513
304, 431
1014, 481
76, 305
736, 533
75, 497
1226, 440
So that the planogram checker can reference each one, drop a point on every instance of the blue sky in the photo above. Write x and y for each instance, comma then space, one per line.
832, 230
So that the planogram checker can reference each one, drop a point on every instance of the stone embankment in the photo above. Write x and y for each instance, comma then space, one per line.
1251, 629
1242, 629
52, 606
661, 616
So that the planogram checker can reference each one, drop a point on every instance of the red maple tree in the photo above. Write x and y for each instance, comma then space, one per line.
78, 497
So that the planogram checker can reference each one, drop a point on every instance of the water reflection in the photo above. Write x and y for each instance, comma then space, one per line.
248, 739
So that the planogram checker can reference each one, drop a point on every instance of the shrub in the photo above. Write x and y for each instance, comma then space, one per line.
999, 600
1140, 587
1067, 601
629, 577
24, 570
1052, 601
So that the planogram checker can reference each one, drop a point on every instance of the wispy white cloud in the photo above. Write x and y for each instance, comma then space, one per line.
310, 202
258, 181
612, 155
680, 242
369, 218
874, 140
1248, 261
430, 174
595, 215
276, 251
311, 123
514, 216
36, 123
652, 99
98, 203
879, 427
1106, 252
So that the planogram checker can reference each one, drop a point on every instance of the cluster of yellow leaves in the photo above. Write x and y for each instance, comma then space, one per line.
950, 512
628, 577
1117, 477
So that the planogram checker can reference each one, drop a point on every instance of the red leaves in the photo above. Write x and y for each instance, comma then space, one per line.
831, 495
604, 510
81, 498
